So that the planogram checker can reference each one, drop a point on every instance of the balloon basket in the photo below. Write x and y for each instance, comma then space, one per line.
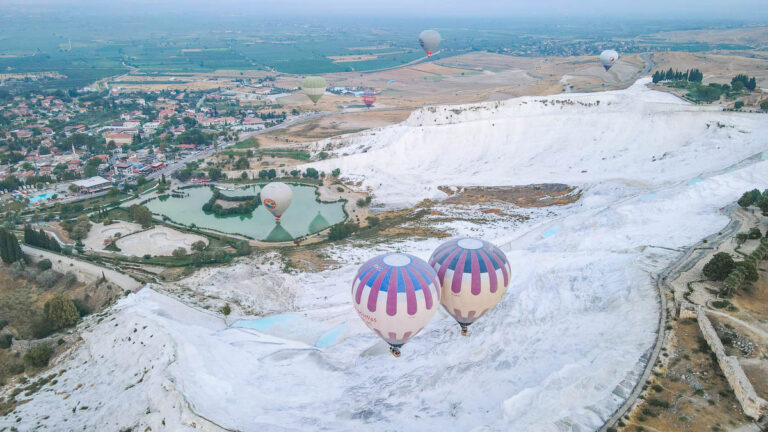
464, 330
395, 351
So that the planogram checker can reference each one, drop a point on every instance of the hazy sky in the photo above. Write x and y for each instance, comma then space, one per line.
423, 9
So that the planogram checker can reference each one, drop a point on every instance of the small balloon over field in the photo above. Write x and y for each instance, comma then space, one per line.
429, 40
396, 295
608, 58
314, 87
276, 198
474, 276
369, 97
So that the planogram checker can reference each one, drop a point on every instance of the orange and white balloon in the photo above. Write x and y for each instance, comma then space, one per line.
276, 197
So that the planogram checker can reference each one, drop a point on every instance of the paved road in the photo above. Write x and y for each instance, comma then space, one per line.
86, 271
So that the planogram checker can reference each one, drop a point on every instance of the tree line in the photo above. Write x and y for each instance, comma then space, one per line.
691, 75
40, 239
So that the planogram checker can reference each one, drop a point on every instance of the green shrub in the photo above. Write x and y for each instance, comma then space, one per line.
38, 356
372, 221
3, 323
226, 310
754, 233
658, 403
5, 340
44, 264
60, 312
47, 279
342, 231
82, 308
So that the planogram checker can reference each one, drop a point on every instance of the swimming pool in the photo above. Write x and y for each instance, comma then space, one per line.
41, 197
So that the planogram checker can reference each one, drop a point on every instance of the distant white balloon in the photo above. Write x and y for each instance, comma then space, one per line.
429, 40
608, 58
276, 197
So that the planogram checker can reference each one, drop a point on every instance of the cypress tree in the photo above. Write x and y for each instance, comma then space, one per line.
10, 251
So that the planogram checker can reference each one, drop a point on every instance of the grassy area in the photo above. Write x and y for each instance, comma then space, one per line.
100, 200
272, 152
250, 143
284, 153
12, 205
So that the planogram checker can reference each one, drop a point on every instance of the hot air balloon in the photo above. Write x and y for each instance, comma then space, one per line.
396, 295
314, 87
369, 97
608, 58
429, 40
474, 276
276, 197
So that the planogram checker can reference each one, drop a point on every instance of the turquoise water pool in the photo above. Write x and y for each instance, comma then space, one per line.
305, 216
41, 197
296, 327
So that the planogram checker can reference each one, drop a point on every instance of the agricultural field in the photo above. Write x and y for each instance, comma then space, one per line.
83, 51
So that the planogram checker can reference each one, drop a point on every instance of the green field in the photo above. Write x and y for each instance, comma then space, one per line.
157, 41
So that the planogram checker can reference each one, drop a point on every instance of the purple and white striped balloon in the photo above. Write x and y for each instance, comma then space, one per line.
474, 276
396, 295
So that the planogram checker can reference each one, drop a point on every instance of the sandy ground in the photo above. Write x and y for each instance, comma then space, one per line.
100, 233
159, 240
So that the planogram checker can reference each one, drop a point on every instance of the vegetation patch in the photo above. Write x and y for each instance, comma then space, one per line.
242, 205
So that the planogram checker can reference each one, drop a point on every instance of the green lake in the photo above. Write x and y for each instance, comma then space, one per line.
305, 216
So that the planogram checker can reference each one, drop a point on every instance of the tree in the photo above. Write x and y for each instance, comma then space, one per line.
749, 198
754, 233
215, 174
242, 163
242, 248
342, 231
719, 266
198, 245
80, 228
271, 174
764, 105
10, 251
311, 173
179, 252
336, 172
141, 215
44, 264
60, 312
738, 105
750, 270
38, 356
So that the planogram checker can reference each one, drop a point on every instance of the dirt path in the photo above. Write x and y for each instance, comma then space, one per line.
692, 255
84, 270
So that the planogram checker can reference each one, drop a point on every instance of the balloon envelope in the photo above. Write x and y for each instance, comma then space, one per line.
429, 40
369, 97
608, 58
276, 198
314, 87
474, 276
396, 295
